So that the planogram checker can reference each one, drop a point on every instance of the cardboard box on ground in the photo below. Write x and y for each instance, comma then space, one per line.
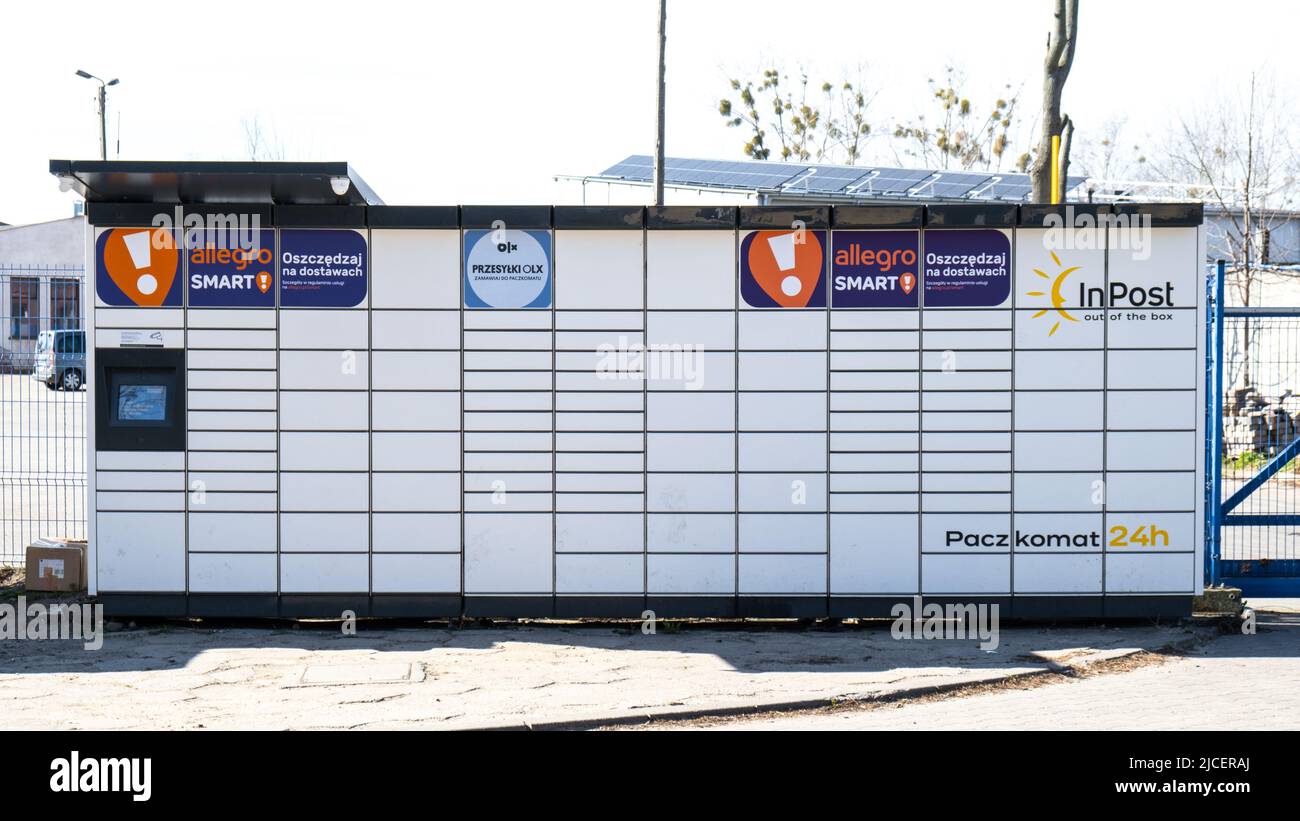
56, 565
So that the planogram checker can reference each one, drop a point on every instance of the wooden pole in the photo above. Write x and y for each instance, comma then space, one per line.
659, 138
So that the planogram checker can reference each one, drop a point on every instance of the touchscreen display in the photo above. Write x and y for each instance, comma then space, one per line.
142, 403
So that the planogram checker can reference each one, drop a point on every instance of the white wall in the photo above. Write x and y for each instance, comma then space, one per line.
60, 243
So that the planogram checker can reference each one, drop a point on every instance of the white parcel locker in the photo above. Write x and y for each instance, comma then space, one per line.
601, 411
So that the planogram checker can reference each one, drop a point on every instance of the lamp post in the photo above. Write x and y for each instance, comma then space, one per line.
103, 99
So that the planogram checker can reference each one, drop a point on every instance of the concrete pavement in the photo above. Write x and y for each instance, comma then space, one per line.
1233, 682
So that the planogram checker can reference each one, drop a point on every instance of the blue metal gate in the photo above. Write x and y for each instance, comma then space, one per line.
1254, 486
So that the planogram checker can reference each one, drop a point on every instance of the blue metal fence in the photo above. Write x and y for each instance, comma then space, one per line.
1253, 495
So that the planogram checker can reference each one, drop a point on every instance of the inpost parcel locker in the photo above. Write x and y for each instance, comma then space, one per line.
574, 411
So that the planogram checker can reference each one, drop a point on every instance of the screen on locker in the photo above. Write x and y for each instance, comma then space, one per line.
140, 404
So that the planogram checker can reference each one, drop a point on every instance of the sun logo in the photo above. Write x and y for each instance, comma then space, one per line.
1054, 292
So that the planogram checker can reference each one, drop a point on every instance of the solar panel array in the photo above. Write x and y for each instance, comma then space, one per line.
827, 181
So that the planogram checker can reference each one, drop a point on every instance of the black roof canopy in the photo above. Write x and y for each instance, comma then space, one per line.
271, 183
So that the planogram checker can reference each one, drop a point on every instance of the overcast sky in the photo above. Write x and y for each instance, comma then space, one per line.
439, 103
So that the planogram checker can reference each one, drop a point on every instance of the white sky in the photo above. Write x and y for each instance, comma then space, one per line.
438, 103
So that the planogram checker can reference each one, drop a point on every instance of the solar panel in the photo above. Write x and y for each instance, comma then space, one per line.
729, 174
828, 181
949, 184
716, 173
634, 167
1015, 188
895, 180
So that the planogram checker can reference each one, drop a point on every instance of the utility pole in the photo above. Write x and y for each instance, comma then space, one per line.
659, 138
103, 110
103, 130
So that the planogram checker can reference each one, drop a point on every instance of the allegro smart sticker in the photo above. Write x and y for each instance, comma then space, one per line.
875, 269
228, 269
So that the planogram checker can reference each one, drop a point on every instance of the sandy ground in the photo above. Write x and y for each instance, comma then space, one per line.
530, 675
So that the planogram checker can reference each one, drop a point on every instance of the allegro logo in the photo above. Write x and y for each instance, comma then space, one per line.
875, 269
240, 260
141, 262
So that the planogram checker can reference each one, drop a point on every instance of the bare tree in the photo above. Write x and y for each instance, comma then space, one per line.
1056, 68
660, 96
1234, 149
774, 102
798, 120
1234, 153
847, 129
959, 133
1112, 156
262, 144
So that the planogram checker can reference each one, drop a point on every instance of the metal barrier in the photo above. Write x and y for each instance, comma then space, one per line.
1254, 538
42, 426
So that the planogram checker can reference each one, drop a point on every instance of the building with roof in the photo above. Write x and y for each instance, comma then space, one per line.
40, 285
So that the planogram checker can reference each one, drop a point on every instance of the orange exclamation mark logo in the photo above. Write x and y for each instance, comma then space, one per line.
907, 282
787, 265
264, 281
142, 263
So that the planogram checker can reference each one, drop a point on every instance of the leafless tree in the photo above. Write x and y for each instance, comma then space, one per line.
1235, 148
1056, 69
847, 129
262, 144
958, 132
1235, 152
1112, 155
799, 120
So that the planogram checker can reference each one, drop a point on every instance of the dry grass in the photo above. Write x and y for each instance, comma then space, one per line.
13, 581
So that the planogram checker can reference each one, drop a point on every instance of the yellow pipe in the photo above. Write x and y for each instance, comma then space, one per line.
1056, 169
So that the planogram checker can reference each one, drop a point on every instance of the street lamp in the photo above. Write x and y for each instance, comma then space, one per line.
103, 98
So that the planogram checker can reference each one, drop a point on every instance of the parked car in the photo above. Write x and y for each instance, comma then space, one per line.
12, 362
61, 360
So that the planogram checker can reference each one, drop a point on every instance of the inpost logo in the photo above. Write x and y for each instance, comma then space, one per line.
1093, 299
1055, 294
141, 262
